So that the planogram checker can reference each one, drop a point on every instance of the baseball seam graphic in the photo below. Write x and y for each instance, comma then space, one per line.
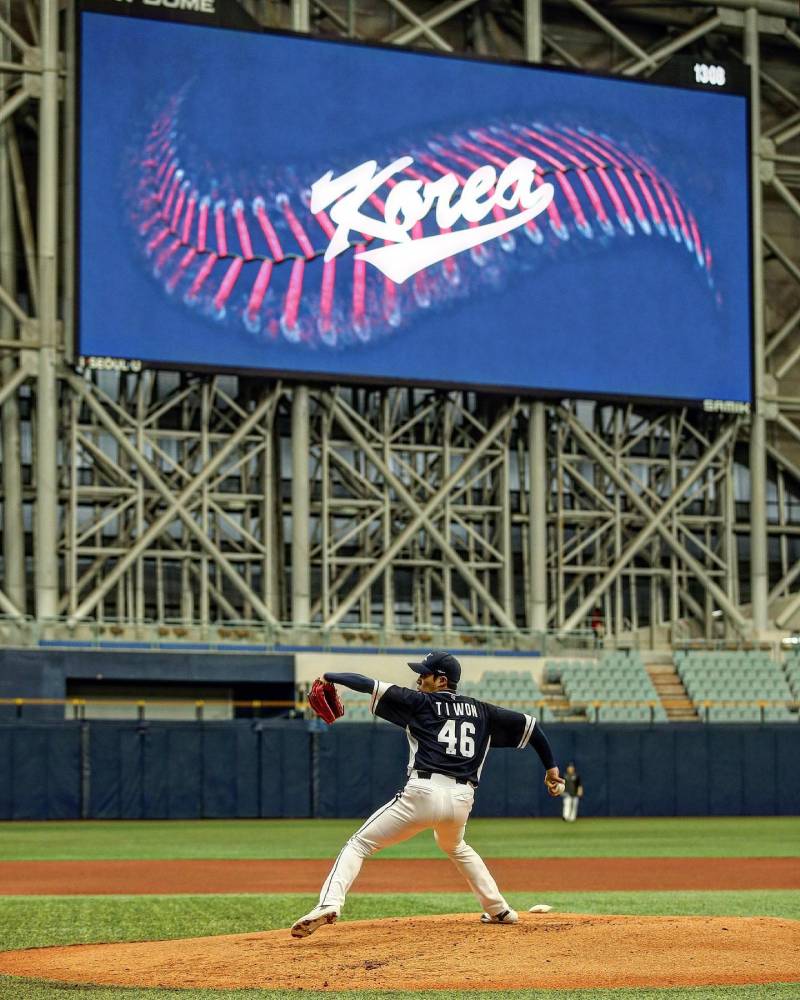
255, 259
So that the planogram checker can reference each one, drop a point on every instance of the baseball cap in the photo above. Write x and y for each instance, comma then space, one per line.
441, 664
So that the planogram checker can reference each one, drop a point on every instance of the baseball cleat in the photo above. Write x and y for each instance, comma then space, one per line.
506, 917
315, 918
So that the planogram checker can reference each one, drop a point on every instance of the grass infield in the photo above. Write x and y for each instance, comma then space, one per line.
48, 991
729, 837
36, 921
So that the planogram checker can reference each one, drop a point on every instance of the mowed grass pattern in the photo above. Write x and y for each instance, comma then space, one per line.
40, 921
493, 838
18, 990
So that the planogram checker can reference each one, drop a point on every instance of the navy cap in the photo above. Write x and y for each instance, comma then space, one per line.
440, 664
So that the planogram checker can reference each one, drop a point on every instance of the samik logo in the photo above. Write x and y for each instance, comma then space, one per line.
410, 201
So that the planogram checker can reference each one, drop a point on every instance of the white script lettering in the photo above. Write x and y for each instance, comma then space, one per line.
409, 201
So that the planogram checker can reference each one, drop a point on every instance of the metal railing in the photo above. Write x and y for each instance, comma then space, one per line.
85, 708
261, 636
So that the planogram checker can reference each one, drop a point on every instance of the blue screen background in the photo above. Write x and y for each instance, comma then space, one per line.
635, 321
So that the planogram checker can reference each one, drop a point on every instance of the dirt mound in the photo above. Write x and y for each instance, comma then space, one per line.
553, 951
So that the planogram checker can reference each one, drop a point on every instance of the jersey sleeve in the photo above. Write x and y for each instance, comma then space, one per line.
509, 729
395, 704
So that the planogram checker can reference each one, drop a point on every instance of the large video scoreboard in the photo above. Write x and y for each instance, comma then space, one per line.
273, 203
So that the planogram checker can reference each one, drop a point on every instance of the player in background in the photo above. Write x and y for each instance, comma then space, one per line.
573, 793
449, 736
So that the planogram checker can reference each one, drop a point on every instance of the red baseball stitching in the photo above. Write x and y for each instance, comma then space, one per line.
223, 250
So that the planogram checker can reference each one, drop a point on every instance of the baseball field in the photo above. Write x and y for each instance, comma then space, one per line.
643, 909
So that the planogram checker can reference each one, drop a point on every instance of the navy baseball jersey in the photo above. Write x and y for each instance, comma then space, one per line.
450, 733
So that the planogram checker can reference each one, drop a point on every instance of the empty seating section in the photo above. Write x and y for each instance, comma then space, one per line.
725, 687
728, 687
356, 706
792, 666
511, 688
619, 680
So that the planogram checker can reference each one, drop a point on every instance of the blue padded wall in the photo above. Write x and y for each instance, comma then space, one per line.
40, 772
191, 771
627, 770
161, 770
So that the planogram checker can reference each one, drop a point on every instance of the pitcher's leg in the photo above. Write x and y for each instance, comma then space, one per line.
397, 820
450, 838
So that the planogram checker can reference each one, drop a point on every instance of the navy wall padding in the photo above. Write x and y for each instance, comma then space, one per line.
198, 771
663, 770
284, 768
359, 767
40, 771
787, 773
759, 789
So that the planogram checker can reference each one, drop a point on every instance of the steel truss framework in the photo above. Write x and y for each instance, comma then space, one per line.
237, 504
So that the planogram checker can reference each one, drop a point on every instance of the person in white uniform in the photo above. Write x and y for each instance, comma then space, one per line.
449, 737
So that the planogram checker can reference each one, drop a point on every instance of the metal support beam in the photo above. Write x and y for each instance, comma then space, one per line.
16, 39
47, 512
301, 568
759, 579
680, 550
12, 104
776, 8
533, 31
11, 384
653, 525
23, 215
614, 32
404, 36
421, 516
537, 525
176, 506
433, 36
663, 52
10, 304
779, 336
301, 18
786, 194
10, 379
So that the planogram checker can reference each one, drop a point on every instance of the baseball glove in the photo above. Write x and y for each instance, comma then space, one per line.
325, 702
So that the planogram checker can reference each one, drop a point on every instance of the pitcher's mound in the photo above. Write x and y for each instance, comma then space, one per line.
556, 951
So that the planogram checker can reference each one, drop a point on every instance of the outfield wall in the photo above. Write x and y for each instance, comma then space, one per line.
102, 770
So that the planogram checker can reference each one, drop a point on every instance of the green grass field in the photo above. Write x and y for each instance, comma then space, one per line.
33, 921
727, 837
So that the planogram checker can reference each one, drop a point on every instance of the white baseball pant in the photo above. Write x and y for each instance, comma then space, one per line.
569, 807
436, 803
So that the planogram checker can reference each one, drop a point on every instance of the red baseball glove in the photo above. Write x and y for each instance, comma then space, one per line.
325, 701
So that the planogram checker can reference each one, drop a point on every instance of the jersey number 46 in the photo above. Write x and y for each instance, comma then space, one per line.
458, 737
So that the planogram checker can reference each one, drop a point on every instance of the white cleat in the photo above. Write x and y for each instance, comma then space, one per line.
316, 918
506, 917
540, 908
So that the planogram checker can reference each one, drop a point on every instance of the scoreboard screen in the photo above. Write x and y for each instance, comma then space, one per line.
274, 203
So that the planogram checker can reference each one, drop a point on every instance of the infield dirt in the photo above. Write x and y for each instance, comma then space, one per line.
553, 951
102, 878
